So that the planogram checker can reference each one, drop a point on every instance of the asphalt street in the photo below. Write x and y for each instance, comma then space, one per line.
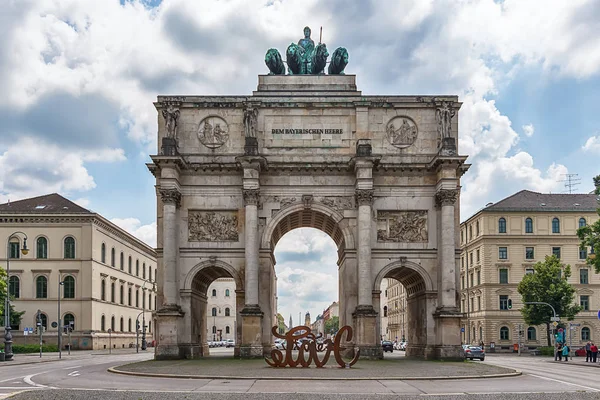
82, 376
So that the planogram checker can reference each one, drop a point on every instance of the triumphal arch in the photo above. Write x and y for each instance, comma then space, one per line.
379, 174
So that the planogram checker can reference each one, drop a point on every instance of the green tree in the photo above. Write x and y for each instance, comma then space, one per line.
332, 325
549, 283
280, 324
15, 317
590, 235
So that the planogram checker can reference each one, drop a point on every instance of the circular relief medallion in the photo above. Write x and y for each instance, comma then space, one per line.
213, 132
401, 132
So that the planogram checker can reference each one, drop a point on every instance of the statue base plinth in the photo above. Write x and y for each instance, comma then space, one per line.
448, 147
307, 85
169, 147
251, 146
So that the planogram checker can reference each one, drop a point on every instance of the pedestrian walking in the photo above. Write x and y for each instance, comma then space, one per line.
594, 350
558, 352
588, 352
565, 352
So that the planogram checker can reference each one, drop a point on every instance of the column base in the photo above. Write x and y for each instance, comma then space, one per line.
168, 347
448, 346
251, 345
365, 334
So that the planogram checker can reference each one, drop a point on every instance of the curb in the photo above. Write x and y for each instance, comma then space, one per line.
114, 370
9, 363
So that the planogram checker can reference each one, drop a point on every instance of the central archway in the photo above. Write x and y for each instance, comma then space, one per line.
332, 223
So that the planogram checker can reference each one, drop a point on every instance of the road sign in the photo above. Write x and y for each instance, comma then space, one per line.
557, 319
462, 330
560, 330
573, 324
598, 314
555, 324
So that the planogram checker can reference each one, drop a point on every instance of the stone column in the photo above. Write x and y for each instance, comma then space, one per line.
364, 200
251, 246
445, 199
171, 199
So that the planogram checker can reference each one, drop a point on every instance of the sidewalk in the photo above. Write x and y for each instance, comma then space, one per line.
34, 358
577, 361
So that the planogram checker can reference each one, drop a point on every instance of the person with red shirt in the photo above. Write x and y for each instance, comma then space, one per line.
594, 350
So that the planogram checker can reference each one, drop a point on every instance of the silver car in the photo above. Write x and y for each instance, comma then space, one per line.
472, 352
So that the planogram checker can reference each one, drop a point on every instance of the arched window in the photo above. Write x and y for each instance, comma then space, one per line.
122, 261
227, 312
112, 292
103, 289
69, 320
112, 323
502, 225
44, 319
144, 271
14, 287
585, 334
69, 248
226, 292
214, 292
531, 333
129, 296
504, 333
137, 267
69, 287
214, 312
103, 253
582, 222
122, 325
481, 333
385, 311
227, 329
41, 247
41, 287
129, 265
137, 297
214, 329
103, 323
528, 225
121, 294
555, 225
129, 325
112, 257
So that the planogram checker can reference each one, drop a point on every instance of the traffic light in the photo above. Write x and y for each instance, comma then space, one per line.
137, 325
509, 304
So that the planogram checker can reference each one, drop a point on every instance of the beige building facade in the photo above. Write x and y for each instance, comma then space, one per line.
501, 243
379, 174
221, 304
397, 312
107, 274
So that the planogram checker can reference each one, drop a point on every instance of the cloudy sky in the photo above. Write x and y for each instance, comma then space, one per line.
78, 78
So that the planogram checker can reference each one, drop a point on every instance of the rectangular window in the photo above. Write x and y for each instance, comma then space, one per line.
479, 303
503, 275
583, 276
15, 250
504, 302
556, 251
472, 304
529, 271
462, 260
582, 254
472, 280
529, 253
471, 258
503, 253
462, 282
584, 301
479, 277
478, 256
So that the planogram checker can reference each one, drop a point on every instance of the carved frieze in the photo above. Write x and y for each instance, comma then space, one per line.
213, 132
251, 196
446, 197
402, 226
364, 197
212, 226
401, 132
340, 203
170, 196
286, 201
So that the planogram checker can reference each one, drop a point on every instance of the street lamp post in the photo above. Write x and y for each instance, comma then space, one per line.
144, 343
60, 284
553, 313
137, 333
8, 354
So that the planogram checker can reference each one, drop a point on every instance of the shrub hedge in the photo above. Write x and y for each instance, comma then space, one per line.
31, 348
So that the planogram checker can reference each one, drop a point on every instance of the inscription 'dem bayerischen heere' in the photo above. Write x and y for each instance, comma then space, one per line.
316, 131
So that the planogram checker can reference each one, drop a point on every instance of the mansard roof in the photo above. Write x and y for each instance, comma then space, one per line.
526, 200
52, 203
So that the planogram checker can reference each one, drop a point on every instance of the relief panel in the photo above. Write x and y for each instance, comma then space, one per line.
213, 226
402, 226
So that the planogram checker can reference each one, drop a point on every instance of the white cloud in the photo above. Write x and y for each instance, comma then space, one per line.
146, 233
592, 145
528, 130
105, 155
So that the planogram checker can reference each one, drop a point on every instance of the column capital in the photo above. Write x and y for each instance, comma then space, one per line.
251, 196
446, 197
364, 197
170, 196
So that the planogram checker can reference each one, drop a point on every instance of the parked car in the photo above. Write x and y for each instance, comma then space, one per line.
387, 346
403, 346
229, 343
580, 352
472, 352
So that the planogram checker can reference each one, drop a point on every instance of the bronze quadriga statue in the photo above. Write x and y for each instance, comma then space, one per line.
301, 338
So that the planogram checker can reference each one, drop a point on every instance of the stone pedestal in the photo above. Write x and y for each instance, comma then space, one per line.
447, 325
251, 346
448, 147
169, 147
168, 347
365, 333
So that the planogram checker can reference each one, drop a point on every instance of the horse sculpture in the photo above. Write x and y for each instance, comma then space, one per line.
274, 62
319, 59
339, 60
